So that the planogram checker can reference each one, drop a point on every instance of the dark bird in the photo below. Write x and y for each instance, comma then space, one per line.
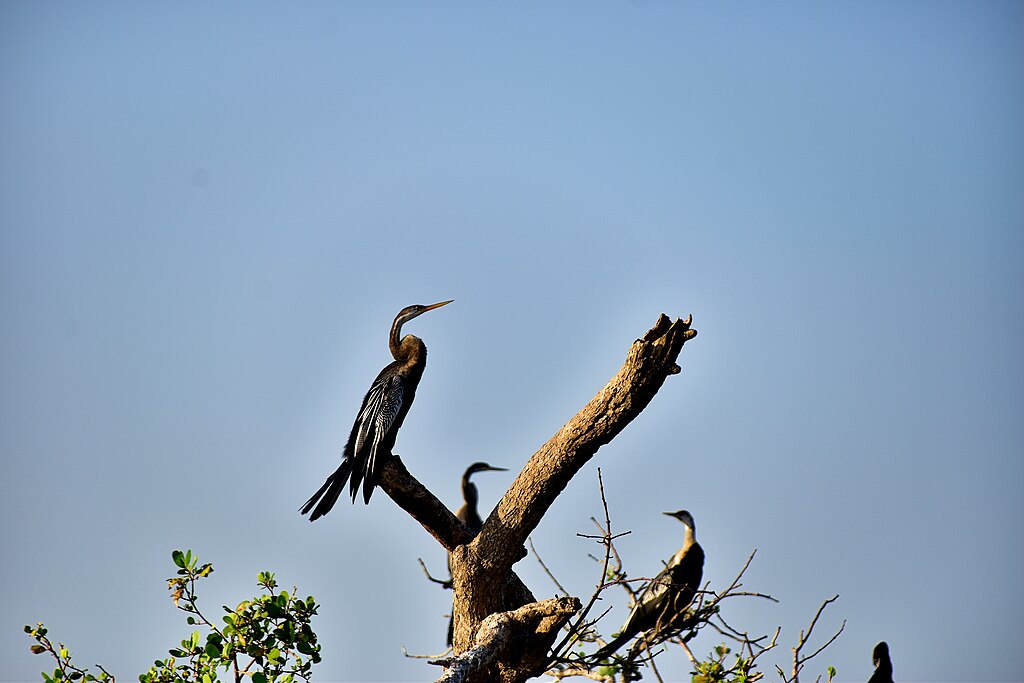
883, 665
469, 515
661, 607
381, 415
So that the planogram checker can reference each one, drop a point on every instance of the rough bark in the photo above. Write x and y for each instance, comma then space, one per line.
482, 577
422, 505
501, 652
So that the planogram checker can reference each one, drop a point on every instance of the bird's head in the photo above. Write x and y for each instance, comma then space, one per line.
469, 488
880, 654
410, 312
482, 467
683, 516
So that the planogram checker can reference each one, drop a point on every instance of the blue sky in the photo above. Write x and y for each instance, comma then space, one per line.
210, 213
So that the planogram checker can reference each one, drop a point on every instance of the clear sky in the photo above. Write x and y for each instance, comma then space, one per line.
211, 212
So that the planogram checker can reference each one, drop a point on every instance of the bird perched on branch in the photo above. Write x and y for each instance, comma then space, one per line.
469, 515
883, 665
661, 607
381, 415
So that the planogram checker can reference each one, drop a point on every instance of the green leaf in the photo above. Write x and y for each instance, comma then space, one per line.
259, 677
179, 558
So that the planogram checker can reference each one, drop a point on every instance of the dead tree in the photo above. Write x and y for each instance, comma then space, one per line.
502, 634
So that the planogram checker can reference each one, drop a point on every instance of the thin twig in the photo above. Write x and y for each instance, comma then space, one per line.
409, 655
566, 642
650, 660
545, 567
584, 673
444, 584
798, 661
814, 621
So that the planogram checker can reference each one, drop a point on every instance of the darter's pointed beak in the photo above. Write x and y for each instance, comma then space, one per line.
437, 305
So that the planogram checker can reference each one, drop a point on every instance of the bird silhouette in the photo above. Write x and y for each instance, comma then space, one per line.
883, 665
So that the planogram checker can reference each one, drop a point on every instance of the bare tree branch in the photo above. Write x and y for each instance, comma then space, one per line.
607, 539
422, 505
444, 583
798, 660
649, 361
479, 571
581, 673
545, 568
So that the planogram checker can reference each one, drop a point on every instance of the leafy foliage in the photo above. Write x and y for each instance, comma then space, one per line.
716, 669
267, 639
65, 671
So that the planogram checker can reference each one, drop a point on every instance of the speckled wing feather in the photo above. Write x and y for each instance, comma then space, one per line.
380, 408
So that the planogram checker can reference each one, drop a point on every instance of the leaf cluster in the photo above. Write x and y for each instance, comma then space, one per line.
267, 639
715, 668
65, 670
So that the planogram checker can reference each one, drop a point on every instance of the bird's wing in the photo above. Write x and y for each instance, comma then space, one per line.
386, 402
685, 576
389, 408
380, 408
649, 603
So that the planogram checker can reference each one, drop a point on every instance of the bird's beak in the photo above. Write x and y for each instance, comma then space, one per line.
437, 305
670, 514
497, 469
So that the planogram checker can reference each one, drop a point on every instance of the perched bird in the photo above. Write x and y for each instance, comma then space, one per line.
883, 665
469, 515
381, 415
661, 607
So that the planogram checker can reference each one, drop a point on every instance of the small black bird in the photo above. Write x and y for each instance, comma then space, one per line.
469, 515
381, 415
661, 607
883, 665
